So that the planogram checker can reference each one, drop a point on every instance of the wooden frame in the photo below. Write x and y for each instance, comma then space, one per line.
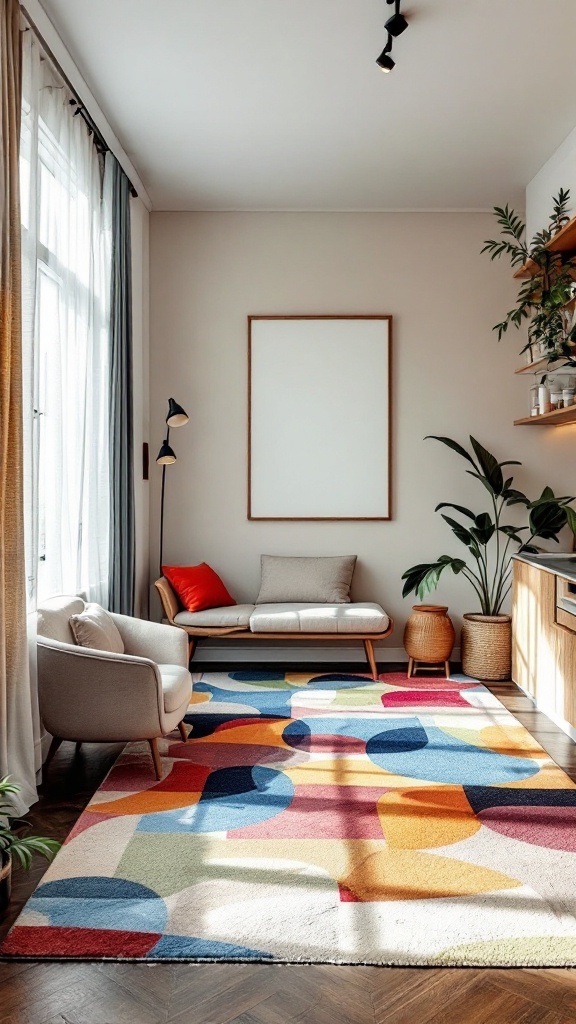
171, 608
357, 412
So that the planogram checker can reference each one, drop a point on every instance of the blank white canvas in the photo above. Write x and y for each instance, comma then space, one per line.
319, 419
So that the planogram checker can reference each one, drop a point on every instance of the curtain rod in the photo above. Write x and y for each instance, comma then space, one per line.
99, 140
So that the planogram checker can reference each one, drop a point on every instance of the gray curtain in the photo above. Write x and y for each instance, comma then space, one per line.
122, 521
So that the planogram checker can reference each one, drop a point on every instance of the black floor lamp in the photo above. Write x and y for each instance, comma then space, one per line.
176, 418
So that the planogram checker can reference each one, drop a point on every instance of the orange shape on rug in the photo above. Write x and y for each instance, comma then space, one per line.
417, 819
182, 786
514, 741
407, 875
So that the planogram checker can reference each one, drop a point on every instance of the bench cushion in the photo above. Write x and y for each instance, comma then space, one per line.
358, 617
213, 618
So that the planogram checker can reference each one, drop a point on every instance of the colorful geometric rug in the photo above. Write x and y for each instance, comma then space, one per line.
322, 819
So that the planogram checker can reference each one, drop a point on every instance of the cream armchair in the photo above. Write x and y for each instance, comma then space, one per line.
96, 696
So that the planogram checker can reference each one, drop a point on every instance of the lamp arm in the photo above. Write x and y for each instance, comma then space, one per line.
162, 504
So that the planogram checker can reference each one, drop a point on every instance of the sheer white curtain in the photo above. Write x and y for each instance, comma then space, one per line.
66, 288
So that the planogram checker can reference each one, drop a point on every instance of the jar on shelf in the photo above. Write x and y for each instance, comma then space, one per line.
534, 406
544, 405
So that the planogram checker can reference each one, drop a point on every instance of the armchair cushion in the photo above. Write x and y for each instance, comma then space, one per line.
176, 686
95, 628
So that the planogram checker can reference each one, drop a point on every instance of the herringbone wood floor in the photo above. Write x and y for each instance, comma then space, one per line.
116, 993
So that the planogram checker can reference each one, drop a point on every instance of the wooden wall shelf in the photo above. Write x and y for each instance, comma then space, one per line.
563, 241
557, 418
545, 366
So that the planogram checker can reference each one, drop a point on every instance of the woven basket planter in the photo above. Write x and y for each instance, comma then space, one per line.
429, 634
486, 646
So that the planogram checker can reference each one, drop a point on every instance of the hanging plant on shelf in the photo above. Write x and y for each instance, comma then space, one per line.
546, 298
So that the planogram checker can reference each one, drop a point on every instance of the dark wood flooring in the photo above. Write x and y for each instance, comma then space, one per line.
116, 993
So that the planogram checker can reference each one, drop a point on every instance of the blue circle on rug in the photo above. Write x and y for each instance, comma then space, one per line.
399, 748
96, 901
174, 947
232, 798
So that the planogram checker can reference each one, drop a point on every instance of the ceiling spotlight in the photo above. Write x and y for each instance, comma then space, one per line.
396, 24
385, 62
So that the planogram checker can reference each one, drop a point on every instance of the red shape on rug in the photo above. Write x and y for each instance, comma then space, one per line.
552, 827
322, 812
430, 698
130, 774
323, 743
426, 683
229, 755
41, 941
346, 895
245, 721
183, 778
85, 821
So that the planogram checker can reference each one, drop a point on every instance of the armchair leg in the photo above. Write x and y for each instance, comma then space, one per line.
156, 758
56, 741
183, 732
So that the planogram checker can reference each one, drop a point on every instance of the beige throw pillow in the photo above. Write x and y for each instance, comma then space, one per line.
324, 580
95, 628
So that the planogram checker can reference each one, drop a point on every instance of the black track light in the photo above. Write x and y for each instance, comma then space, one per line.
385, 62
396, 24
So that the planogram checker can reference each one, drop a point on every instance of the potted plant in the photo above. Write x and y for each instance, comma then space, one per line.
14, 844
490, 543
543, 298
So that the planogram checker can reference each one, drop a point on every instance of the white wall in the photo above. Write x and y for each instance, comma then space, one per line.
209, 270
558, 172
140, 223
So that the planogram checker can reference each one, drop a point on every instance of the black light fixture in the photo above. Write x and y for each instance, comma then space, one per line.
385, 62
397, 23
394, 26
176, 417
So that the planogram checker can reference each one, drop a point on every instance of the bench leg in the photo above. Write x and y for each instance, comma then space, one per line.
191, 648
369, 649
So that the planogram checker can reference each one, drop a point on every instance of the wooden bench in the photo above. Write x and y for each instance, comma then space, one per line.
174, 612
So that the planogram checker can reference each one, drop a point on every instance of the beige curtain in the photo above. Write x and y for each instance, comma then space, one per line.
16, 711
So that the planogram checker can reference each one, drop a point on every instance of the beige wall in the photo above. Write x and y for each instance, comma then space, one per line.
140, 222
208, 271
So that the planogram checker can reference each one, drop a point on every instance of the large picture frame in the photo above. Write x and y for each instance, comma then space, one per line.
320, 417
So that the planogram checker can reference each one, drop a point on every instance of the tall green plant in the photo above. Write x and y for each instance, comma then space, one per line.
12, 843
490, 541
543, 297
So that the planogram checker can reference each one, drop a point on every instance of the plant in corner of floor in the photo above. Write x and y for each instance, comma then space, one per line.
12, 843
490, 541
543, 298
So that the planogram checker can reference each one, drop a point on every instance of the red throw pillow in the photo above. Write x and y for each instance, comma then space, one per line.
197, 586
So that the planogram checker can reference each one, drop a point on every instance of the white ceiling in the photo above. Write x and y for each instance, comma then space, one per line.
278, 104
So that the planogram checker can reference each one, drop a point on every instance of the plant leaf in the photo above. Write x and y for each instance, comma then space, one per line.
489, 465
453, 445
459, 508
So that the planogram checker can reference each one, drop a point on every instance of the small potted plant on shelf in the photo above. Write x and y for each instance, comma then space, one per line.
15, 845
490, 542
545, 298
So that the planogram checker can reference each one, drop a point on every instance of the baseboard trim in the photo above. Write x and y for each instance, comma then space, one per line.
211, 650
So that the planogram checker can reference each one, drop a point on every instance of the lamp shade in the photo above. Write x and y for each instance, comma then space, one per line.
385, 61
176, 417
166, 455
